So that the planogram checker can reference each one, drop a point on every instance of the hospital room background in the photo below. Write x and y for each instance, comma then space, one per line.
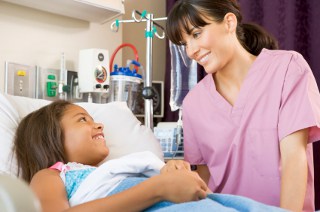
40, 42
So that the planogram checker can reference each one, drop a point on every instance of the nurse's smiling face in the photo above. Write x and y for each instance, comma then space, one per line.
212, 45
84, 140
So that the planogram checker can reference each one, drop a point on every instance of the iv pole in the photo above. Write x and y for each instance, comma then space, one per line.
147, 92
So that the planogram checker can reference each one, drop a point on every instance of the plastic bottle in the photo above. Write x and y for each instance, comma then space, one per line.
183, 75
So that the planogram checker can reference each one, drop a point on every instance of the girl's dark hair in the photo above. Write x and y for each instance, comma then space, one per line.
39, 139
251, 36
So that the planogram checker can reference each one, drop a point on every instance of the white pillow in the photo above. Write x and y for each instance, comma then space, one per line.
123, 131
8, 123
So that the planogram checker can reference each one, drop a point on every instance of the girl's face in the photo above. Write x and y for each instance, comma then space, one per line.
83, 138
211, 46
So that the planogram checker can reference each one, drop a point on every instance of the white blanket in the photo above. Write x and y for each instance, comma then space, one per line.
107, 176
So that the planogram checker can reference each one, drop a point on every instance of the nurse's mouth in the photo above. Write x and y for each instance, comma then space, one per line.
203, 59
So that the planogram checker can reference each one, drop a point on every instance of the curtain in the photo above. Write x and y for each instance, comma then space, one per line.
295, 24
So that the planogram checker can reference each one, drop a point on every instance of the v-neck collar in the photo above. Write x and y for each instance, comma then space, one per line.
241, 100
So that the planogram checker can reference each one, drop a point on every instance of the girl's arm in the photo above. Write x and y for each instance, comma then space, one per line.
49, 188
176, 186
294, 170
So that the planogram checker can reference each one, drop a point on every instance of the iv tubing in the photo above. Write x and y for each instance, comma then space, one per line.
118, 48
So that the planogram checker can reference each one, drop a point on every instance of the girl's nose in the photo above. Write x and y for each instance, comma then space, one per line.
99, 126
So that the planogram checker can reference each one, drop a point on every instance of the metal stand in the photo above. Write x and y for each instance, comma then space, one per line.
147, 92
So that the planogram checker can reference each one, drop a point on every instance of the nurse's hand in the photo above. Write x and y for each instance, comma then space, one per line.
173, 165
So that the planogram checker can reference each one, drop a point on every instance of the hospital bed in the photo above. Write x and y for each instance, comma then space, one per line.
14, 193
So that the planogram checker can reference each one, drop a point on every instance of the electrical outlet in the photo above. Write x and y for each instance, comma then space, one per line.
47, 83
20, 80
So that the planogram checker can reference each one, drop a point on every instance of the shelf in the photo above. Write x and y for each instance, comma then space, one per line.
89, 10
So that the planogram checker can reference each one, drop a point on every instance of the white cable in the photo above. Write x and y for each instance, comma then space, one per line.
89, 98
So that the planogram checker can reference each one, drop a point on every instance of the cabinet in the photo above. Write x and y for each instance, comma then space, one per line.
89, 10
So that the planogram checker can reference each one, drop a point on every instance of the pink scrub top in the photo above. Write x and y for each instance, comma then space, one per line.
240, 144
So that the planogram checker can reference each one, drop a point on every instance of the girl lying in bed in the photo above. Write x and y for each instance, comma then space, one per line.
59, 148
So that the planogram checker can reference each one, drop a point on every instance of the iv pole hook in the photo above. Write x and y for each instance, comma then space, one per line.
142, 15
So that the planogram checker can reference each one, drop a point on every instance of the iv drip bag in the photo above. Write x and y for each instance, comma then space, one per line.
183, 75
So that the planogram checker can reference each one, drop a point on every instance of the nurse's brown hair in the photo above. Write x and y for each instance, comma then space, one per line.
251, 36
39, 139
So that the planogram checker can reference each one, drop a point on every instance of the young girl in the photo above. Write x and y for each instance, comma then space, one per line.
65, 133
250, 123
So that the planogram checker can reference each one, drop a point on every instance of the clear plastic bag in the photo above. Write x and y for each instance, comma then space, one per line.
183, 75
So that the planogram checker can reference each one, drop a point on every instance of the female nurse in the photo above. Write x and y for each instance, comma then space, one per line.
250, 123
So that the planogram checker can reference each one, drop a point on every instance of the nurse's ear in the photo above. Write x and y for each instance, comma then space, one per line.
231, 22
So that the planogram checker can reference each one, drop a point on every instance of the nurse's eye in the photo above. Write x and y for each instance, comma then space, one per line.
196, 34
83, 119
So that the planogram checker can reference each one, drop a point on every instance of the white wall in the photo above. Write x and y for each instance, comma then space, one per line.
134, 33
33, 37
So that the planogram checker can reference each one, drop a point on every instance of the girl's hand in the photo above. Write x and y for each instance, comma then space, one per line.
182, 185
173, 165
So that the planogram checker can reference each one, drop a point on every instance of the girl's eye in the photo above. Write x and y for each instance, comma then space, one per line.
83, 119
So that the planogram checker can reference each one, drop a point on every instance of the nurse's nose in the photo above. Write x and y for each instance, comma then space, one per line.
192, 50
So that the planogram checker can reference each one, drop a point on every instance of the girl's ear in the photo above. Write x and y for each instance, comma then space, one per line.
231, 22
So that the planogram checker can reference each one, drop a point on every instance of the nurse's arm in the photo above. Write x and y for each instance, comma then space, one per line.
203, 172
294, 169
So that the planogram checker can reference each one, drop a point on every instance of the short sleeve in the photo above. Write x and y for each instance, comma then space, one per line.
300, 101
192, 153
